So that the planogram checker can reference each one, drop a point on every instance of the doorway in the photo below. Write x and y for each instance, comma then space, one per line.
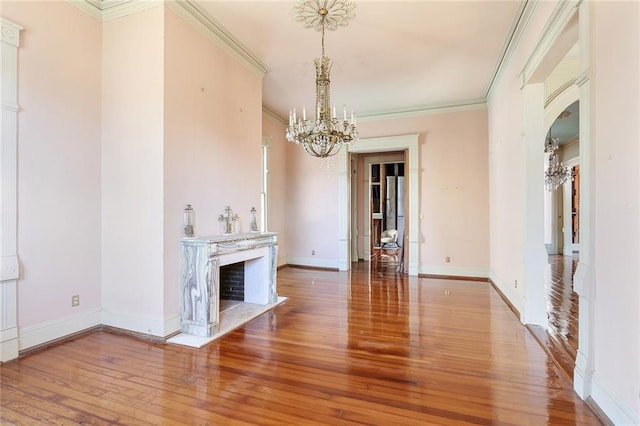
381, 209
404, 143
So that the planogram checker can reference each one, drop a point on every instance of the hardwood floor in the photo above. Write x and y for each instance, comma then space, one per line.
345, 348
561, 338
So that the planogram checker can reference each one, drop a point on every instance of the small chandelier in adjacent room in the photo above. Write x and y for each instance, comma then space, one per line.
557, 173
324, 135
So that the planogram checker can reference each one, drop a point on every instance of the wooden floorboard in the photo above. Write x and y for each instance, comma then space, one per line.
366, 347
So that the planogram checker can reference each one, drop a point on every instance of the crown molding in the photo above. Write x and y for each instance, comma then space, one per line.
106, 10
469, 105
419, 111
215, 32
519, 25
272, 114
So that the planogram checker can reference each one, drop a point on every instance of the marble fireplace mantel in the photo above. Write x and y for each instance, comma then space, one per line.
202, 258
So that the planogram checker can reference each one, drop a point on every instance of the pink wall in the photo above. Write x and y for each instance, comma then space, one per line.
58, 161
454, 188
132, 171
506, 160
311, 209
453, 182
213, 140
617, 161
277, 180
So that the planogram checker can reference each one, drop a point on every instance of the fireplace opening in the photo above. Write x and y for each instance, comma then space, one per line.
232, 282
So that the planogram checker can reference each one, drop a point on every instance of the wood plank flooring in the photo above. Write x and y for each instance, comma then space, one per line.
366, 347
561, 338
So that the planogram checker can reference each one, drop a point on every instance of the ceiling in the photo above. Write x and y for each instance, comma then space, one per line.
393, 57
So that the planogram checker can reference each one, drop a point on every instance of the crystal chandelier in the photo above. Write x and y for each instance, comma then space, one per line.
556, 174
324, 135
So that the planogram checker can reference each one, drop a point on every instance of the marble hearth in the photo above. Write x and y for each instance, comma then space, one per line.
200, 276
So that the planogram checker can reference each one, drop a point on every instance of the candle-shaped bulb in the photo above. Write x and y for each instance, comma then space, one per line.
334, 111
304, 113
351, 116
344, 111
294, 116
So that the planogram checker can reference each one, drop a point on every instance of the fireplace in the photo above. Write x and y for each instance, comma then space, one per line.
206, 262
232, 282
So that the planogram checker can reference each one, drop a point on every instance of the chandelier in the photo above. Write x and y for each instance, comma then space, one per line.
324, 135
557, 173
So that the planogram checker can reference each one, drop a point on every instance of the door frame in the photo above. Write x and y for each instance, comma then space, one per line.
408, 143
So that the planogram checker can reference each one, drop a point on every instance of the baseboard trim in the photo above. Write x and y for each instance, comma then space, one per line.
506, 300
159, 327
454, 277
312, 268
59, 341
53, 330
606, 421
613, 408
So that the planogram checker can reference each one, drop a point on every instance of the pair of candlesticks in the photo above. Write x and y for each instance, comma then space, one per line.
229, 221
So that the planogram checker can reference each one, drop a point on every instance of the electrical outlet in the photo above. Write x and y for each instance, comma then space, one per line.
447, 259
75, 300
515, 284
313, 252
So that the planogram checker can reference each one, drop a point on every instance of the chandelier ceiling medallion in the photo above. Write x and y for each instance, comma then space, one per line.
557, 173
324, 135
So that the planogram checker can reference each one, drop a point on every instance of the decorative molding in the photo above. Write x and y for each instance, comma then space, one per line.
562, 14
9, 262
9, 268
583, 78
215, 32
90, 7
559, 91
59, 328
520, 23
10, 32
615, 408
117, 9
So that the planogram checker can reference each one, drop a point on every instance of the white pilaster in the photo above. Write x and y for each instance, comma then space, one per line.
9, 265
535, 256
584, 276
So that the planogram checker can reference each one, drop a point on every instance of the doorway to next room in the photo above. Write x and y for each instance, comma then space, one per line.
381, 210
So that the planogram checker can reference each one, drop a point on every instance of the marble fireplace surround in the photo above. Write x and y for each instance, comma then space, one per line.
201, 317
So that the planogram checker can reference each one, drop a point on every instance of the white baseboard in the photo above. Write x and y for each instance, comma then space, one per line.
154, 326
616, 410
514, 298
56, 329
313, 262
454, 271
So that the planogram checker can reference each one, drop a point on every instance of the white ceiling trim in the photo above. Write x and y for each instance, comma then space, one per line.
520, 23
220, 36
273, 115
426, 110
